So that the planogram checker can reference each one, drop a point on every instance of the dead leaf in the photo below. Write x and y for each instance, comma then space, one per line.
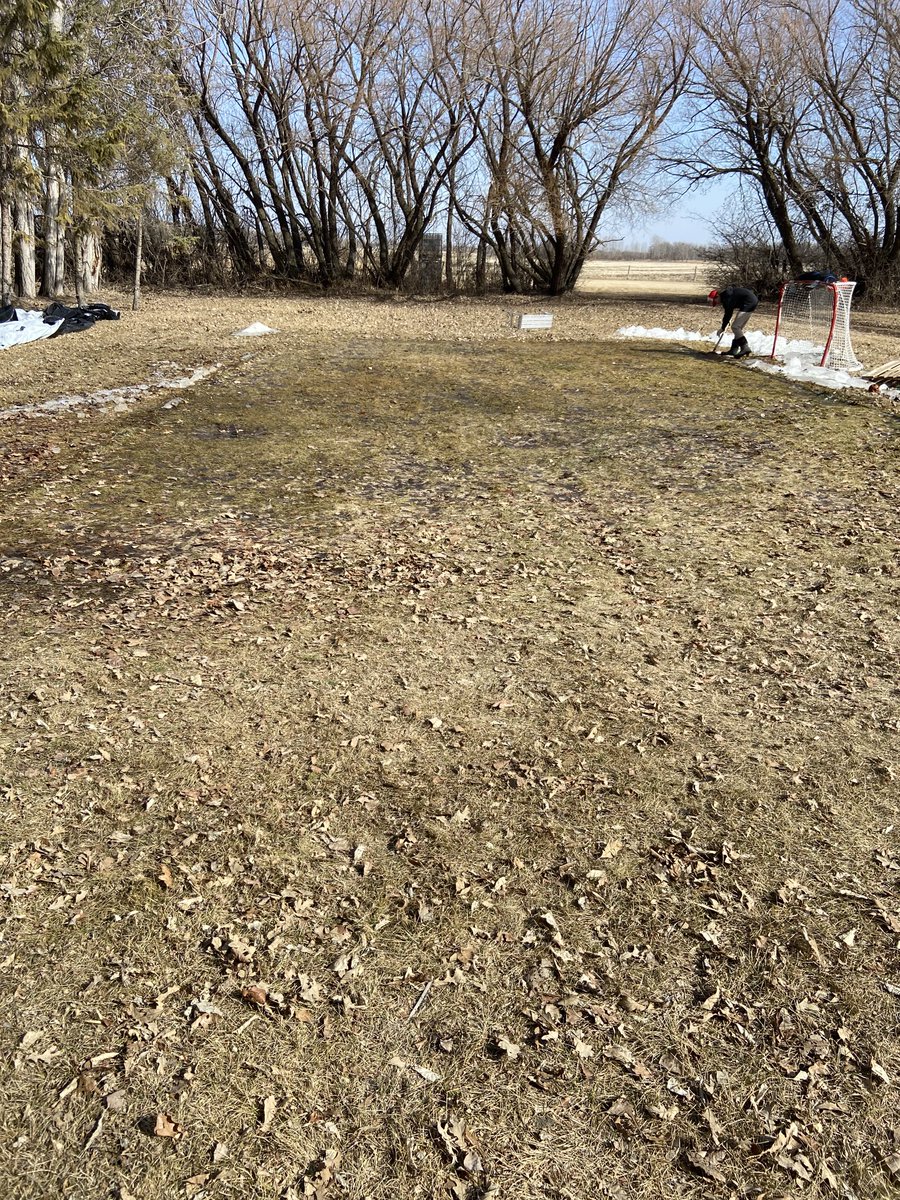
510, 1049
663, 1111
161, 1125
220, 1152
255, 993
879, 1072
165, 876
426, 1073
116, 1101
623, 1056
612, 848
269, 1105
582, 1049
704, 1164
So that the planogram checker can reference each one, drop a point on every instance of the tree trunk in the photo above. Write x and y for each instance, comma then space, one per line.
78, 254
6, 253
24, 247
448, 253
138, 251
54, 277
88, 261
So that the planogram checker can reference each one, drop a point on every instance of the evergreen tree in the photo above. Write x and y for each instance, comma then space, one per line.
32, 60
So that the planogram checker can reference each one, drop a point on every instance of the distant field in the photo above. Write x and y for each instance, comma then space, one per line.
664, 278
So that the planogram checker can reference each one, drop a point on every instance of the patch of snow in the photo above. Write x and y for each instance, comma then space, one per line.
665, 335
117, 398
760, 342
800, 360
807, 372
257, 329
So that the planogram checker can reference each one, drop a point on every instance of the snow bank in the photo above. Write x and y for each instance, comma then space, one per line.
806, 372
257, 329
799, 359
665, 335
759, 341
117, 398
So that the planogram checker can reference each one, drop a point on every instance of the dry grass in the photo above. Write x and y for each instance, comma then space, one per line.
621, 278
549, 683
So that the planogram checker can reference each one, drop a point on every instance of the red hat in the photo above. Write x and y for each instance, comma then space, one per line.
713, 296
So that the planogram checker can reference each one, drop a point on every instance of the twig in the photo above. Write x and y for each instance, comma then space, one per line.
423, 996
95, 1133
248, 1023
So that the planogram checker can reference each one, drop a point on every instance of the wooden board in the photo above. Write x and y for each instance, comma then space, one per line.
888, 374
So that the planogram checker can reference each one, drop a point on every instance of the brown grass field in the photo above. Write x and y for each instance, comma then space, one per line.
444, 762
624, 278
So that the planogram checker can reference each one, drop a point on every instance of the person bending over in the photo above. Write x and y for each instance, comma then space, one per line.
740, 301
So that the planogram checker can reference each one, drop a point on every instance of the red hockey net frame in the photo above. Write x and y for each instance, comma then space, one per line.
817, 312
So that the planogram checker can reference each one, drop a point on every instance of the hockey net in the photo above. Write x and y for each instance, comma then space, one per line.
813, 323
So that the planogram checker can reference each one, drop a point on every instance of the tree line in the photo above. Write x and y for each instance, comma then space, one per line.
475, 143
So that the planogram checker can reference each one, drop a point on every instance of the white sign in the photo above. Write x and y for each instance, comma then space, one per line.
541, 320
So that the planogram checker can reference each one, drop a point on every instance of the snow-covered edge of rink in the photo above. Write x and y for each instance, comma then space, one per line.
117, 398
795, 356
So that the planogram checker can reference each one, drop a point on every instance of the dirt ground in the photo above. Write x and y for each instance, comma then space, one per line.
445, 762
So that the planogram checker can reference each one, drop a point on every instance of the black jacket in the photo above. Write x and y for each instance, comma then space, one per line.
737, 299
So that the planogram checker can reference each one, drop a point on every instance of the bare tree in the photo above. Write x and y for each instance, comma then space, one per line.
799, 99
579, 91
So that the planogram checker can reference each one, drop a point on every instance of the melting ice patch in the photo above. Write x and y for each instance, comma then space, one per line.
117, 398
799, 359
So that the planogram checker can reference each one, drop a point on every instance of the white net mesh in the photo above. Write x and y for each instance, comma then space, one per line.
814, 323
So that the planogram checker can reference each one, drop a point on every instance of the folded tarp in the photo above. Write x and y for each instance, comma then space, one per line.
23, 326
20, 325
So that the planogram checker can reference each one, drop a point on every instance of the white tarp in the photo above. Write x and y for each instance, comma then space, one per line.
28, 327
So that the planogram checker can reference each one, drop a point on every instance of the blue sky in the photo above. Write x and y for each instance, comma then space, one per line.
689, 218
